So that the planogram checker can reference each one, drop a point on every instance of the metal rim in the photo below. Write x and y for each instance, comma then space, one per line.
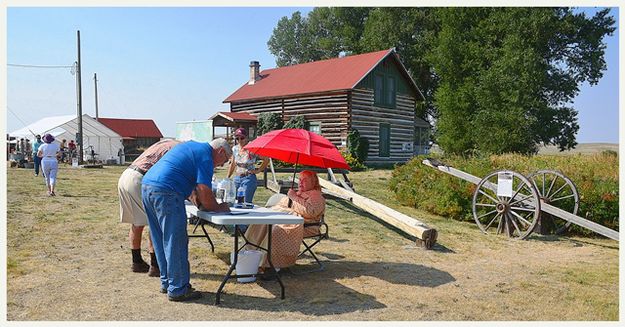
555, 189
514, 215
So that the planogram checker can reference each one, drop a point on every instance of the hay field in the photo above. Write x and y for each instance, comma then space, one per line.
68, 259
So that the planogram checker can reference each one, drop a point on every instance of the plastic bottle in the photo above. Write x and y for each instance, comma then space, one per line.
241, 194
231, 193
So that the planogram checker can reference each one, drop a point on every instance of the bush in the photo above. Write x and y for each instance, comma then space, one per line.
353, 163
269, 122
358, 146
296, 122
596, 178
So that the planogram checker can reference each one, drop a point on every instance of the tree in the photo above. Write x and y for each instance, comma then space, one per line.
297, 121
508, 75
268, 121
323, 34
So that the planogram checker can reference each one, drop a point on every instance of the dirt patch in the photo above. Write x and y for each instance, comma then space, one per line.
68, 259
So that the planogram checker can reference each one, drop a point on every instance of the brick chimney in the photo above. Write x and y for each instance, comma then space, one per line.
254, 72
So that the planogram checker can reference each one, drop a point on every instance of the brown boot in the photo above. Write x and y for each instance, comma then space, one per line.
154, 272
140, 267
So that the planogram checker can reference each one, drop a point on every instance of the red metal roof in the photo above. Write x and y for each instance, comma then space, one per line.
132, 127
318, 76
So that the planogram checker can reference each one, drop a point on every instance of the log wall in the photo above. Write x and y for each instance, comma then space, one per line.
330, 109
366, 118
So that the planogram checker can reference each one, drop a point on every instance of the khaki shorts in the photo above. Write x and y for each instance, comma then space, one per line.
130, 205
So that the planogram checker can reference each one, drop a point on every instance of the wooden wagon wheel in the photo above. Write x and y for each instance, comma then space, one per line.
515, 214
556, 189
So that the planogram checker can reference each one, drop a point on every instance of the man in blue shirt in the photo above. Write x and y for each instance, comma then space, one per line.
164, 188
36, 158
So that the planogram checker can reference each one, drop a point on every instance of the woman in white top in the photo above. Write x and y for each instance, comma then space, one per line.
49, 153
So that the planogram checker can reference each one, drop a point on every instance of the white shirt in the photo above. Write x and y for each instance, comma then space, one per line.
49, 150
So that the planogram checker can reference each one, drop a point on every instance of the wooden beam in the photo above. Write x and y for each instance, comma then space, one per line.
425, 235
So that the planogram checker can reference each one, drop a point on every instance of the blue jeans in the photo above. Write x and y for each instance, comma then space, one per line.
37, 163
167, 219
249, 183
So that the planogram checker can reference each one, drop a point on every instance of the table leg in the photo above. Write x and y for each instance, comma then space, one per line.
271, 263
232, 265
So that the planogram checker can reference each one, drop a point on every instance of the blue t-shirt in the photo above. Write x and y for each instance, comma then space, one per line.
182, 168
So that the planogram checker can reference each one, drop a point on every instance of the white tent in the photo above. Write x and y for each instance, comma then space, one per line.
106, 143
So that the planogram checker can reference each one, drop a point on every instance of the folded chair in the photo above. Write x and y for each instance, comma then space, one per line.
313, 234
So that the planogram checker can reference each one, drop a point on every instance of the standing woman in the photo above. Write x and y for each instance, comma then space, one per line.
243, 165
49, 153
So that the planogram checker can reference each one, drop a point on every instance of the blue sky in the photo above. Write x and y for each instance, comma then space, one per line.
179, 64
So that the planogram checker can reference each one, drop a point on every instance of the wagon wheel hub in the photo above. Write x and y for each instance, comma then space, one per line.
502, 207
545, 199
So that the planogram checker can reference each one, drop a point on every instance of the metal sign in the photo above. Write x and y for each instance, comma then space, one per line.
504, 184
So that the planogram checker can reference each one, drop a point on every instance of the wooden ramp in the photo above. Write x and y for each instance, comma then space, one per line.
426, 236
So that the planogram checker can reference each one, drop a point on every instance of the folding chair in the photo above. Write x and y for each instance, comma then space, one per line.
313, 232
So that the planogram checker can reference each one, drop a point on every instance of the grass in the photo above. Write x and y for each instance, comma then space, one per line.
68, 259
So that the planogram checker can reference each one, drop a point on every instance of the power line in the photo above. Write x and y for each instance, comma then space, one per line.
39, 66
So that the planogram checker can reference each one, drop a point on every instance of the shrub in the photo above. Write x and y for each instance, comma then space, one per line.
268, 121
358, 146
596, 178
297, 121
353, 163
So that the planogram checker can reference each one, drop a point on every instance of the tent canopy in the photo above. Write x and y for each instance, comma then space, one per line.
106, 143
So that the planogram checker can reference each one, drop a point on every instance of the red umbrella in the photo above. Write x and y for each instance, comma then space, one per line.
298, 146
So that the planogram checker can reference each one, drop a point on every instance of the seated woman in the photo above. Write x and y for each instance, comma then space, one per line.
308, 203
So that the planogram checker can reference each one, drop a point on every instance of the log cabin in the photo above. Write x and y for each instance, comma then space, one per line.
371, 92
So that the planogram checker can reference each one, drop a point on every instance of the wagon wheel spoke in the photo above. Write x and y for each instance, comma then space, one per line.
491, 222
488, 196
515, 225
558, 191
562, 198
485, 205
521, 219
486, 214
522, 199
524, 209
550, 187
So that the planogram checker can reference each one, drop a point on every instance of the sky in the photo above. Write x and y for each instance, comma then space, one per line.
179, 64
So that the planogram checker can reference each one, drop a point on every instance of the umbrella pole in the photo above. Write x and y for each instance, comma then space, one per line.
293, 182
295, 170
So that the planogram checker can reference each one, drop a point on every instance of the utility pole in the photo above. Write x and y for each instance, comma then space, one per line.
79, 138
95, 82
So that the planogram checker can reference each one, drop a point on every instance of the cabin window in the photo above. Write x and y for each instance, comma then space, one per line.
384, 148
378, 85
390, 91
315, 127
385, 90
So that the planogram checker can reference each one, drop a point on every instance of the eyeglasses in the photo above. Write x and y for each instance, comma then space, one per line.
240, 137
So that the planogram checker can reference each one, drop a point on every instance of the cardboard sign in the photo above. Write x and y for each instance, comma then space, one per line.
504, 184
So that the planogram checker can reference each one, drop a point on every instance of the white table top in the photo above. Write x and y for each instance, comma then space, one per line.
257, 215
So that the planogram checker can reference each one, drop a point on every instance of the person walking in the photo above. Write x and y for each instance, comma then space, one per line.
243, 165
131, 206
49, 153
164, 188
36, 158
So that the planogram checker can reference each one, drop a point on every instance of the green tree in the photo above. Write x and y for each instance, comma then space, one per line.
323, 34
508, 75
290, 42
268, 121
297, 121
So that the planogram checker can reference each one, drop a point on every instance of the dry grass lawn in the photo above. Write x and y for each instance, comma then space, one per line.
68, 259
